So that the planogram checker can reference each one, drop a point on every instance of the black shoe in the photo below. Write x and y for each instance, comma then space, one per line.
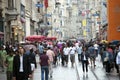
117, 71
2, 70
50, 76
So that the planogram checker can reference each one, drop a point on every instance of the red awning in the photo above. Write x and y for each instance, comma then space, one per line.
51, 38
35, 38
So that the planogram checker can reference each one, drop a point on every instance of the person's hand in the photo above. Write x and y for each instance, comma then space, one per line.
6, 65
14, 78
30, 76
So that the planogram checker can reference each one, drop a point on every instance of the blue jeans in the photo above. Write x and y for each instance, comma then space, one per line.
44, 69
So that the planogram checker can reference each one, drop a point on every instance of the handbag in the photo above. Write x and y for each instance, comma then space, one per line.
105, 59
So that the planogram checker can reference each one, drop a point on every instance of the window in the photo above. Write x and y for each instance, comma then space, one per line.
22, 10
10, 4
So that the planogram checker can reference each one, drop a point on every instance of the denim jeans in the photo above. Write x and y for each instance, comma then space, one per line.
44, 69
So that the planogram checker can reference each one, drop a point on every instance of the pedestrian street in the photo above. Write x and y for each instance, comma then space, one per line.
76, 73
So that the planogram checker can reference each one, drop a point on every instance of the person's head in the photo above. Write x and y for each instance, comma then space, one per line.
41, 43
11, 52
49, 47
31, 50
44, 51
84, 48
16, 52
66, 45
80, 45
2, 48
21, 50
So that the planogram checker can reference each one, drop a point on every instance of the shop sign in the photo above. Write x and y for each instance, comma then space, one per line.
39, 5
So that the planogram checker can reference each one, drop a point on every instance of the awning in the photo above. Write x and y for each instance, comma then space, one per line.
35, 38
1, 33
51, 38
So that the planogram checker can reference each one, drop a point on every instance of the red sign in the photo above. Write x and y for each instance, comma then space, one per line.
46, 3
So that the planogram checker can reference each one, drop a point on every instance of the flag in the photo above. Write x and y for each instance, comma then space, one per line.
84, 33
46, 3
84, 22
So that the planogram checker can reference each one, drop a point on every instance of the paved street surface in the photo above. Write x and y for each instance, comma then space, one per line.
97, 73
76, 73
2, 75
59, 73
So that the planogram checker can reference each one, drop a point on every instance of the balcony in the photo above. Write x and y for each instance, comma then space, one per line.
11, 14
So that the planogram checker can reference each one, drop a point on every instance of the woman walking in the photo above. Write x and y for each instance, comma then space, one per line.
84, 59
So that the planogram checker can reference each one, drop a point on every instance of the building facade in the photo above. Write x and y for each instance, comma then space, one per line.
18, 19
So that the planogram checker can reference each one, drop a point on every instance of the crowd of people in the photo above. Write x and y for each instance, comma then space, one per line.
21, 62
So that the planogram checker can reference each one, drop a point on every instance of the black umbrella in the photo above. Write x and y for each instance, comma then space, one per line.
115, 42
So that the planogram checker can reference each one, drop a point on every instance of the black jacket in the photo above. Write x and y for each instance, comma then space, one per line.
86, 55
32, 59
26, 66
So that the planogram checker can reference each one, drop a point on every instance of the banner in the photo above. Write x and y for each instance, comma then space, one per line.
84, 33
46, 3
84, 22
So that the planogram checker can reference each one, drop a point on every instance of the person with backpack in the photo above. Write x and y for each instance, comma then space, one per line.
92, 55
107, 59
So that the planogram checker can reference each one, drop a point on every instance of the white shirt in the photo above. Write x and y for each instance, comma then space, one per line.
84, 58
77, 45
72, 50
118, 58
96, 46
79, 50
21, 64
66, 50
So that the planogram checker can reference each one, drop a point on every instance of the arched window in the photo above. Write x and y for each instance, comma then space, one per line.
10, 4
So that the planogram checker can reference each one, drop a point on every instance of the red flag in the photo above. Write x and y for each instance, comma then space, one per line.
46, 3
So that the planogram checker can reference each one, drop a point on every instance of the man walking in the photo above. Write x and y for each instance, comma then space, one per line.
51, 55
21, 66
44, 62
